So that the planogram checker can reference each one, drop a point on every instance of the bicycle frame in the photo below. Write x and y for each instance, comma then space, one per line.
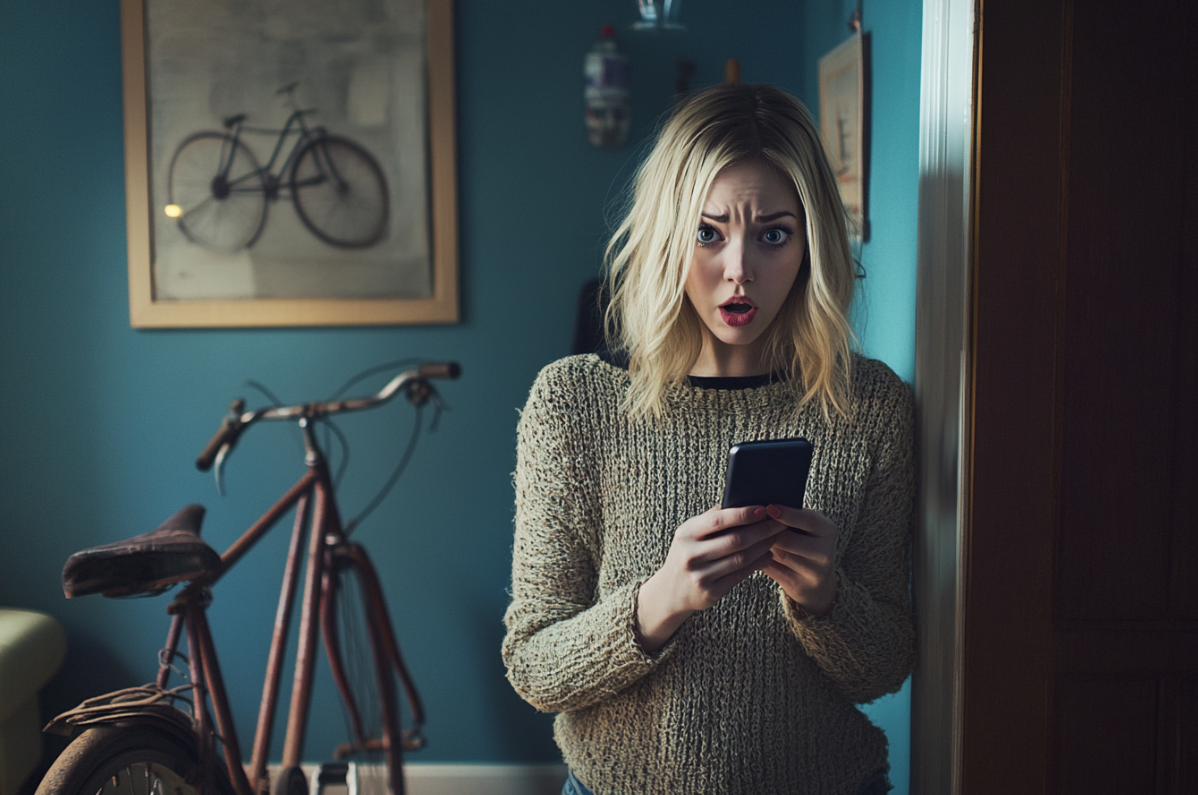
317, 519
274, 181
189, 609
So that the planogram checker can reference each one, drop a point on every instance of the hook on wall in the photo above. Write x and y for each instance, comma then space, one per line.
659, 15
855, 20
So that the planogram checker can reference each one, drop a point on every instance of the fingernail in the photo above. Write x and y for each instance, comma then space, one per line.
774, 511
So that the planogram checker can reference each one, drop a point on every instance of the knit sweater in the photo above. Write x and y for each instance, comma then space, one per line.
751, 695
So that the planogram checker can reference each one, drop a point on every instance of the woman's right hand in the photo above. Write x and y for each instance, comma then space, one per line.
710, 554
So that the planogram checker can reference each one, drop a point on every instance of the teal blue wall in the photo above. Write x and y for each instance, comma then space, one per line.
101, 421
885, 318
885, 313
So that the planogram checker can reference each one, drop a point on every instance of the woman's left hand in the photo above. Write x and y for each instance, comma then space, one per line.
803, 558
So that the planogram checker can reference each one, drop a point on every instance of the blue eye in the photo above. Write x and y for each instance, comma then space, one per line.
776, 236
706, 235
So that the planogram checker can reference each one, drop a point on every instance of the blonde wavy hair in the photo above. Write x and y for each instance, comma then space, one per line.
648, 258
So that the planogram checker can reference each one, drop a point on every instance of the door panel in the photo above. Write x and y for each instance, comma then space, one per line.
1081, 608
1090, 756
1124, 286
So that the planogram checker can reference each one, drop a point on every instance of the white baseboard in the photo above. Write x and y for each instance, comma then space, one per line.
432, 779
425, 778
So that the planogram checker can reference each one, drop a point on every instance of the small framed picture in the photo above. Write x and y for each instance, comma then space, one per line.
844, 120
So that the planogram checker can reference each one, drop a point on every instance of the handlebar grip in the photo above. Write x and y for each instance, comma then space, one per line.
440, 370
230, 429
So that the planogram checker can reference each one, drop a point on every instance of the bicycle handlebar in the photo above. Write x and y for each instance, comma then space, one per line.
235, 423
448, 370
230, 429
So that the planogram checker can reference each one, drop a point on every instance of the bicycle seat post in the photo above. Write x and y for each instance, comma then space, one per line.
289, 92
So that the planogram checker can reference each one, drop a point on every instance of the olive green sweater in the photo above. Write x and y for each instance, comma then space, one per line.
751, 695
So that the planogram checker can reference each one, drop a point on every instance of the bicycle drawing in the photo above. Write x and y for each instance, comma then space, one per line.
219, 194
163, 740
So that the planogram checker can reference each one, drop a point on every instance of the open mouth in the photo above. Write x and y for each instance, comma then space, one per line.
738, 311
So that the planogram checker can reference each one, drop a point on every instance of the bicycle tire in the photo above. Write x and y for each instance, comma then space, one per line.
340, 193
128, 760
364, 674
216, 182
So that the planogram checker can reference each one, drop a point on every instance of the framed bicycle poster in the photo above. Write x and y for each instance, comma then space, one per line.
289, 164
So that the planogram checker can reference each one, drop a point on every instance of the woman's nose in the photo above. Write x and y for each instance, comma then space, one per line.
738, 268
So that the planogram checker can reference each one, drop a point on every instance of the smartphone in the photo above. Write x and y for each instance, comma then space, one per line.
768, 472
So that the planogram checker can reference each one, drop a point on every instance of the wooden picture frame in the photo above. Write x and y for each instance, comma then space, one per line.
390, 296
844, 121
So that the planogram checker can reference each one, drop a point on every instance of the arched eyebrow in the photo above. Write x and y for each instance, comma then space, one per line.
761, 219
765, 219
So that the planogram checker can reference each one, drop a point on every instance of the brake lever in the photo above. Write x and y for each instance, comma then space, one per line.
218, 467
438, 408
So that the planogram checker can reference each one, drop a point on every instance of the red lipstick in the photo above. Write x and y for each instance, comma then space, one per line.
738, 310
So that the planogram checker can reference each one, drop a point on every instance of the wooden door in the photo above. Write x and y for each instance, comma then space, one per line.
1080, 632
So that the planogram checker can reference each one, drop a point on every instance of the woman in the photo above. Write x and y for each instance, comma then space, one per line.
688, 648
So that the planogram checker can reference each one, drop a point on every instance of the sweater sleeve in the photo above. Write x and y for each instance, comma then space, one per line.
565, 649
866, 645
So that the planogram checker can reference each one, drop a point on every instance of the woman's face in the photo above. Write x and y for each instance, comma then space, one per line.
748, 250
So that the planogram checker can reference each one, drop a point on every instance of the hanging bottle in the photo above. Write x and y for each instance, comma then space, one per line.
608, 111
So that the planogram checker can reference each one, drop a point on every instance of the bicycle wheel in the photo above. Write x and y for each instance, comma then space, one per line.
362, 668
217, 186
127, 760
340, 193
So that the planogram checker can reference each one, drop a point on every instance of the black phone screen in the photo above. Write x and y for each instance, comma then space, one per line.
767, 472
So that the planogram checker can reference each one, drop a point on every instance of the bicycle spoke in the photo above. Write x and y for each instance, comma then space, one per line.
340, 193
198, 207
221, 191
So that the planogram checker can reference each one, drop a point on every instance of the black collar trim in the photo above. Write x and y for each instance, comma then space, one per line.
620, 359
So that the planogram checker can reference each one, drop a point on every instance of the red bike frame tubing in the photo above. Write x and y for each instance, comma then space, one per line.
278, 647
250, 537
381, 633
167, 656
188, 610
325, 528
220, 702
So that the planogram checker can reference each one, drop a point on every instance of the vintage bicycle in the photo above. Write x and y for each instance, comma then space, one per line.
164, 740
219, 194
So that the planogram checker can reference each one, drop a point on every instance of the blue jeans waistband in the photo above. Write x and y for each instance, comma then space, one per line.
573, 786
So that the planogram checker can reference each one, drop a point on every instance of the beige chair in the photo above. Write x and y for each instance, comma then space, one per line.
32, 647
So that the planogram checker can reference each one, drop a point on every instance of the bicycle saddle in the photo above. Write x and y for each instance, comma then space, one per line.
145, 564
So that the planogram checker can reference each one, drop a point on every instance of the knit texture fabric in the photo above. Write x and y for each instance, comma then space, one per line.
751, 695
